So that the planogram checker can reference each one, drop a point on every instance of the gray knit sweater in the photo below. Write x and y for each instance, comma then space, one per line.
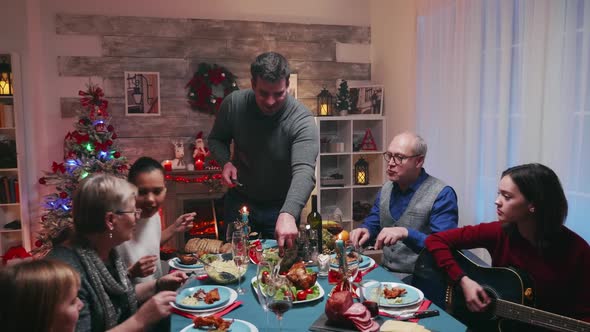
275, 155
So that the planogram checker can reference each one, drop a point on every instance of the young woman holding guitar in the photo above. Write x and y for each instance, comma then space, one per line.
529, 236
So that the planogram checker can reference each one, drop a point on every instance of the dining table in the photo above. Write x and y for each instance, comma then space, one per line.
302, 316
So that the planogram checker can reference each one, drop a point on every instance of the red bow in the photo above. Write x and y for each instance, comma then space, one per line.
58, 167
101, 146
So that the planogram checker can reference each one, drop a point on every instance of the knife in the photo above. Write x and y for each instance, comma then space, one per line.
412, 315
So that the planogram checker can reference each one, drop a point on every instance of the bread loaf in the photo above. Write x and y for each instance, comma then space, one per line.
207, 246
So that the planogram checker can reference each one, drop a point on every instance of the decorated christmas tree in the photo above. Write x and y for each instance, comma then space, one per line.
343, 102
88, 149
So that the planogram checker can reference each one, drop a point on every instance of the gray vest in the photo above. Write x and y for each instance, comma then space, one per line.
399, 257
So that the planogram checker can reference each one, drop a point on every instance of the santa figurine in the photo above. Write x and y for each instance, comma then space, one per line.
200, 153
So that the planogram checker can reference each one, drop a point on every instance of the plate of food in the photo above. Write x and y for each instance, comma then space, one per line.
304, 281
176, 264
203, 297
365, 261
268, 250
210, 323
207, 311
395, 295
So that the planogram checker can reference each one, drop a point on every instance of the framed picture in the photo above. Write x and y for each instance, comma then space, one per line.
366, 99
293, 85
142, 93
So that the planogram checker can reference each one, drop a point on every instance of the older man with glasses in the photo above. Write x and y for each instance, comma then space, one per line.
411, 205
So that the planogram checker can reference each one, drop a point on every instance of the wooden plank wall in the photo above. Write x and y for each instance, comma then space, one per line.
175, 47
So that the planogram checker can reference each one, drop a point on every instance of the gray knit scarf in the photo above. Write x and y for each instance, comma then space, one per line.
105, 285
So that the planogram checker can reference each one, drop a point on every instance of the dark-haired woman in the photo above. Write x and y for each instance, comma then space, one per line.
529, 235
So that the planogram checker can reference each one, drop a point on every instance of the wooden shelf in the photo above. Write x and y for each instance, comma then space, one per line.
10, 230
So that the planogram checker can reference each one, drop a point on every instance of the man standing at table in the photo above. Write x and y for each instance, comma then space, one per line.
275, 149
410, 206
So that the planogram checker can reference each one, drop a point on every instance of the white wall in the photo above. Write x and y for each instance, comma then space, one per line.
393, 61
32, 34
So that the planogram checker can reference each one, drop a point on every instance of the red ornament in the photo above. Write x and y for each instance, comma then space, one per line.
117, 154
63, 195
110, 128
109, 142
82, 121
42, 181
114, 136
38, 243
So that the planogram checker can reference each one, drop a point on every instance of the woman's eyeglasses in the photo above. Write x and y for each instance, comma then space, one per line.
137, 212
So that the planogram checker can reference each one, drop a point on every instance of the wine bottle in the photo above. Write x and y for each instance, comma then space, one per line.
315, 220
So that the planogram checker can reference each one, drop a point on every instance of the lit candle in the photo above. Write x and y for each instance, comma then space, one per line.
324, 109
361, 177
245, 214
199, 164
167, 165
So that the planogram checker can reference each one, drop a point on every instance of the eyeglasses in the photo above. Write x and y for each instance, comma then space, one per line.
137, 212
398, 159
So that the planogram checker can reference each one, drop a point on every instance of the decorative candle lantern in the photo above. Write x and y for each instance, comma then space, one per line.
325, 103
361, 172
5, 78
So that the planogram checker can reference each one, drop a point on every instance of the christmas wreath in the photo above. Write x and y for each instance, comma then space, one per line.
209, 85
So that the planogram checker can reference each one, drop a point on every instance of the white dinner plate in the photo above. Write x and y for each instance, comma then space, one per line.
204, 312
320, 296
237, 326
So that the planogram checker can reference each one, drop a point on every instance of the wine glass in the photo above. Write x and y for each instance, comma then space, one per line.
279, 296
335, 226
240, 256
263, 273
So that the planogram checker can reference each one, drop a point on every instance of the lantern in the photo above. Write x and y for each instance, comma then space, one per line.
361, 172
325, 103
5, 78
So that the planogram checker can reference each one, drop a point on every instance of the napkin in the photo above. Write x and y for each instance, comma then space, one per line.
361, 274
228, 309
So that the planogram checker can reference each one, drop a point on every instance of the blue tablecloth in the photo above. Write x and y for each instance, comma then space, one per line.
302, 316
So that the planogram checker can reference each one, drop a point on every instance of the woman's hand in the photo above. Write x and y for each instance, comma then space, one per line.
172, 281
476, 297
156, 308
144, 267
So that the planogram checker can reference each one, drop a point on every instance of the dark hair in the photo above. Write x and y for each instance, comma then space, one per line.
270, 66
541, 187
143, 165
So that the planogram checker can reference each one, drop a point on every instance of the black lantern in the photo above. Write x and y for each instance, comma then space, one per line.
5, 78
325, 103
361, 172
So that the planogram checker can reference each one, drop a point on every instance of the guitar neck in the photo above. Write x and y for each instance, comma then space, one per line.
538, 317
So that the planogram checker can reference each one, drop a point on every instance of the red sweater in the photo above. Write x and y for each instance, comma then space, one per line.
562, 278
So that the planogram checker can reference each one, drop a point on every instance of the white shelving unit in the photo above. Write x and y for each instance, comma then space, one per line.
340, 137
14, 210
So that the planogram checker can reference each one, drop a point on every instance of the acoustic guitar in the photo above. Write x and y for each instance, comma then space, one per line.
512, 293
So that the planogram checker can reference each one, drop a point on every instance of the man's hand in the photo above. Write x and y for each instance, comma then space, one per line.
359, 236
389, 236
184, 222
144, 267
285, 231
476, 297
229, 172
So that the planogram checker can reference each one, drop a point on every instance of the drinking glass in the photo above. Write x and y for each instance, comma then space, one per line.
370, 294
279, 296
263, 273
240, 256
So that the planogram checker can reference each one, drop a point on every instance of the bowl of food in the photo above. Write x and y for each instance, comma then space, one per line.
187, 258
221, 269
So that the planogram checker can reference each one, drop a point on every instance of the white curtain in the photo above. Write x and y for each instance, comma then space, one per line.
501, 83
